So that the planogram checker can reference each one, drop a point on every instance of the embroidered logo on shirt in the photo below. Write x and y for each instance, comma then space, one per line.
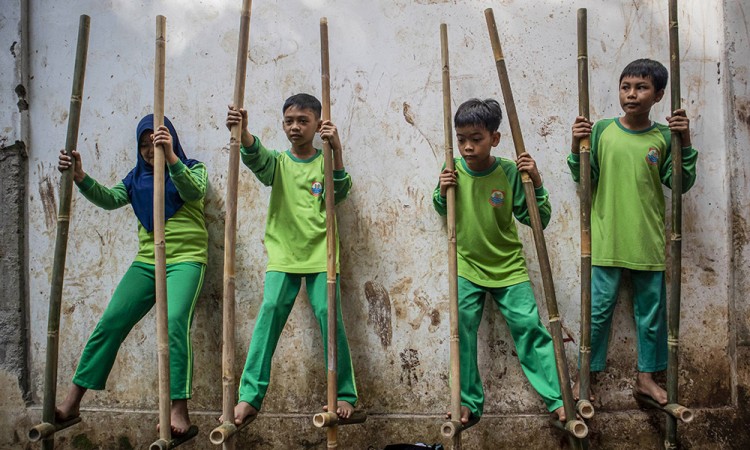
497, 198
316, 188
652, 158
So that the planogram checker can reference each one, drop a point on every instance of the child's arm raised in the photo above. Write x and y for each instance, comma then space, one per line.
447, 178
256, 157
679, 123
190, 182
527, 164
94, 192
342, 181
582, 128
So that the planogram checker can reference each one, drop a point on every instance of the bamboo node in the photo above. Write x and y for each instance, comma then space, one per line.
554, 318
673, 342
63, 218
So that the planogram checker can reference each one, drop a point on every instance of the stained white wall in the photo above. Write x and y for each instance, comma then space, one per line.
386, 89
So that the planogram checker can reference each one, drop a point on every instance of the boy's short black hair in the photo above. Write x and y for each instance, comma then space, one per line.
647, 68
485, 113
303, 101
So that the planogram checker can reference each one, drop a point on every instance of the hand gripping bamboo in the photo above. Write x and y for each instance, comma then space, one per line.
584, 406
160, 257
49, 426
223, 433
574, 427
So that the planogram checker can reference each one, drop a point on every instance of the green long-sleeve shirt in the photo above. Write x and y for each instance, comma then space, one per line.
490, 253
296, 225
628, 169
185, 232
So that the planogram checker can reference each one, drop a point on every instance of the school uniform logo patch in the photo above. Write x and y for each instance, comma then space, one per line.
652, 158
316, 188
497, 198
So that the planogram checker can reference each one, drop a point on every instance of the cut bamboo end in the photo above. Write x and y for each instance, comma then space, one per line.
679, 412
577, 428
163, 444
45, 429
221, 433
450, 429
453, 428
330, 419
585, 409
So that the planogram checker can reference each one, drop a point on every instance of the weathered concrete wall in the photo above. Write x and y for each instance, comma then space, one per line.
14, 358
387, 103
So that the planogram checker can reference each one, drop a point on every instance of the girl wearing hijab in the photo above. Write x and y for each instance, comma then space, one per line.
187, 243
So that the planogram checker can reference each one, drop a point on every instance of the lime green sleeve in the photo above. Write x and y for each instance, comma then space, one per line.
520, 209
439, 202
106, 198
190, 182
689, 163
574, 159
260, 160
342, 184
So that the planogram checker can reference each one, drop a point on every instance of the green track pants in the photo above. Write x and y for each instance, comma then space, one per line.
649, 309
533, 341
279, 294
133, 298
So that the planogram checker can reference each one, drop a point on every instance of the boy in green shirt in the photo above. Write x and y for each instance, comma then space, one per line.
489, 193
296, 243
630, 160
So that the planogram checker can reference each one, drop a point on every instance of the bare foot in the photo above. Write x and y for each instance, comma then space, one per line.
559, 413
180, 417
465, 415
242, 411
70, 407
576, 392
343, 409
645, 385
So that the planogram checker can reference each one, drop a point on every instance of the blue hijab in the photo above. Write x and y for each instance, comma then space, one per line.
140, 181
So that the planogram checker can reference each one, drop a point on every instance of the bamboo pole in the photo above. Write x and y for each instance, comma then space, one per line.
584, 406
676, 236
452, 428
61, 242
160, 257
331, 431
571, 424
222, 434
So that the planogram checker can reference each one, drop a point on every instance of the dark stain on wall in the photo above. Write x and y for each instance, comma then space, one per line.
379, 311
47, 196
409, 364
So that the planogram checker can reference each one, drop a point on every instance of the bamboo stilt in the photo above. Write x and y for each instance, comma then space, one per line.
175, 442
222, 434
584, 406
536, 225
331, 431
670, 441
454, 426
676, 411
160, 257
329, 419
61, 241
